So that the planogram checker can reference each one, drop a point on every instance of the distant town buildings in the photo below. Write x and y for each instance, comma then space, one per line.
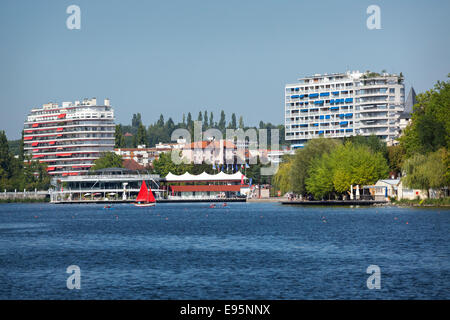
344, 104
142, 155
70, 137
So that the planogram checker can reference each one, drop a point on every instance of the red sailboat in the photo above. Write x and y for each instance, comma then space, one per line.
145, 197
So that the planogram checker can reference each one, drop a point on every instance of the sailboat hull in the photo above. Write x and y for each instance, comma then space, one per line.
144, 204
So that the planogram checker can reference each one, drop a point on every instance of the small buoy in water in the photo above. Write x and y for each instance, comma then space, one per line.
406, 222
167, 218
212, 205
224, 204
395, 218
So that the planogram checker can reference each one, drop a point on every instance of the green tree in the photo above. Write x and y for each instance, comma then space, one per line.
141, 136
426, 172
136, 120
108, 160
356, 165
232, 124
396, 155
241, 122
429, 129
304, 158
211, 120
119, 138
318, 182
205, 120
282, 179
222, 122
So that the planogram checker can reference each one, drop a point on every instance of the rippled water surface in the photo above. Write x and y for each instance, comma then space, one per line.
242, 251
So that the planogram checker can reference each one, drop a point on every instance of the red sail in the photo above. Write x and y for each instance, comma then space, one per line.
143, 193
151, 198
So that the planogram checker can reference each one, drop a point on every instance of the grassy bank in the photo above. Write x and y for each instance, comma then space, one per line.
442, 202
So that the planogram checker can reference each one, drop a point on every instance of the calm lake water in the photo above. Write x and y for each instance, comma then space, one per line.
242, 251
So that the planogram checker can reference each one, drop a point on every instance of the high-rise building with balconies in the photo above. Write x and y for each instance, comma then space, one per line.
342, 105
70, 137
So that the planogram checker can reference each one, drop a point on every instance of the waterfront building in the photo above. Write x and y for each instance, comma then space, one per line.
343, 104
70, 137
123, 185
105, 185
206, 186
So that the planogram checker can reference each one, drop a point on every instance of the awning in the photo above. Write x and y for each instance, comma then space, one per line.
59, 129
28, 138
62, 115
221, 176
34, 144
209, 188
35, 125
50, 168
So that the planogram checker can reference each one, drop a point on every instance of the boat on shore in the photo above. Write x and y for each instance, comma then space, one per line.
145, 197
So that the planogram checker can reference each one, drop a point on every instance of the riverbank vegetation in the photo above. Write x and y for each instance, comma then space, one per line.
326, 168
20, 172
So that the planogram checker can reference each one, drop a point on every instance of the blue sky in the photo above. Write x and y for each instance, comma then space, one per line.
172, 57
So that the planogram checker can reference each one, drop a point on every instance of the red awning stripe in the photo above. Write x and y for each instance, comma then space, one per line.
205, 188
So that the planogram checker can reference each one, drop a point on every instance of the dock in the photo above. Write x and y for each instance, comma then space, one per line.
157, 201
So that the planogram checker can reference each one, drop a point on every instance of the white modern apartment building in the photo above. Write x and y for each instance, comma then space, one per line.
70, 137
342, 105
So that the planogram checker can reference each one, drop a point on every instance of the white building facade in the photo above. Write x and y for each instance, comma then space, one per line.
70, 137
342, 105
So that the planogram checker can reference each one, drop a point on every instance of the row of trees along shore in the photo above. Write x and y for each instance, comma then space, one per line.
326, 168
161, 130
19, 172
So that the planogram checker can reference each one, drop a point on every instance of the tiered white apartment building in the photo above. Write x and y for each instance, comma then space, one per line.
70, 137
342, 105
